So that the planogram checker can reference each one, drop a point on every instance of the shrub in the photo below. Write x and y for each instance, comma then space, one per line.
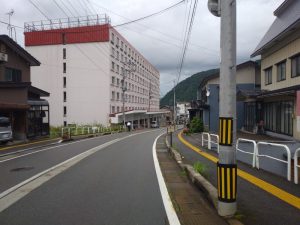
186, 131
196, 125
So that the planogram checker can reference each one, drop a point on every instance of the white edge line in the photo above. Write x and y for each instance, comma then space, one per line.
170, 211
8, 191
58, 146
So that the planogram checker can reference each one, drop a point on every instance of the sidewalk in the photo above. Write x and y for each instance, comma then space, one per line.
255, 205
191, 205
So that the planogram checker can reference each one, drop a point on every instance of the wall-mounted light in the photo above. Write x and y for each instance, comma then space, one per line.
207, 92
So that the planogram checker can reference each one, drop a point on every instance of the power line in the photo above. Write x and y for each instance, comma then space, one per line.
39, 9
55, 2
187, 39
153, 14
11, 25
62, 2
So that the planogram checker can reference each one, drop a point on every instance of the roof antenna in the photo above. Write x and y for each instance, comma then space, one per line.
9, 26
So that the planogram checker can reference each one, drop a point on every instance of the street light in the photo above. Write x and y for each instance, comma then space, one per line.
226, 167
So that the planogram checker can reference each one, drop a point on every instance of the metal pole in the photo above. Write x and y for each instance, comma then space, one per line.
174, 105
227, 117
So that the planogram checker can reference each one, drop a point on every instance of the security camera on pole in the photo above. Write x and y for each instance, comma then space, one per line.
226, 167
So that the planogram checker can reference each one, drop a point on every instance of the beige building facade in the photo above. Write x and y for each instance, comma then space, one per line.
280, 72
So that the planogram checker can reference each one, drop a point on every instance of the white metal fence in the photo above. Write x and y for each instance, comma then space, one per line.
256, 152
296, 166
281, 146
253, 153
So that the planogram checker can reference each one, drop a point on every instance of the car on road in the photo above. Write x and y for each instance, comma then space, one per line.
5, 130
154, 124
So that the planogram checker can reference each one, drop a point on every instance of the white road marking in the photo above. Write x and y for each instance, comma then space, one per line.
15, 193
171, 213
46, 149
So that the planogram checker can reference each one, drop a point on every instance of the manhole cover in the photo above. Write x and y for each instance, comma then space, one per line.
21, 169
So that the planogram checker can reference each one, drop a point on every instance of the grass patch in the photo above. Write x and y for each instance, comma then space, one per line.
238, 215
201, 169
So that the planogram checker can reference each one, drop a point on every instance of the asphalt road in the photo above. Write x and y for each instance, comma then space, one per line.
116, 185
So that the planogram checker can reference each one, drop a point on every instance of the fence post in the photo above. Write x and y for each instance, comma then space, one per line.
171, 138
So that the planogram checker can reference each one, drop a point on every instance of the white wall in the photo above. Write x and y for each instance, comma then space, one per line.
88, 81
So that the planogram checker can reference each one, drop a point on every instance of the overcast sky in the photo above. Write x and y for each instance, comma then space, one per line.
159, 38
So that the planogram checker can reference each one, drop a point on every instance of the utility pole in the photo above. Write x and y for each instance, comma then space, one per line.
150, 92
175, 111
132, 68
226, 167
124, 89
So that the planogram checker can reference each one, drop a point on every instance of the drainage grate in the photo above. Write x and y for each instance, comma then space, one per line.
22, 169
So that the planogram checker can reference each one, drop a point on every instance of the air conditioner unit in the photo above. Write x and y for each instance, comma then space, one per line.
3, 57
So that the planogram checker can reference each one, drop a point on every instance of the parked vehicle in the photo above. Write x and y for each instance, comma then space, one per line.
5, 130
154, 124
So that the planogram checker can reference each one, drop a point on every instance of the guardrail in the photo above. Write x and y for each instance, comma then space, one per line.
70, 131
207, 140
254, 153
207, 137
215, 142
296, 166
288, 161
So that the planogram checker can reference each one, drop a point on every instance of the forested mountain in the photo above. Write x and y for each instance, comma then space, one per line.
186, 90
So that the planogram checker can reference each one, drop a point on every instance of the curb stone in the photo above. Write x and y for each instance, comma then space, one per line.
204, 185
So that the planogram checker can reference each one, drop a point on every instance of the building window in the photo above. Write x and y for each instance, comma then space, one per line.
117, 55
112, 66
112, 109
121, 45
64, 67
65, 110
65, 82
281, 69
113, 95
268, 76
113, 80
278, 117
118, 40
112, 38
64, 53
65, 96
118, 96
112, 52
13, 75
295, 63
118, 81
65, 123
117, 68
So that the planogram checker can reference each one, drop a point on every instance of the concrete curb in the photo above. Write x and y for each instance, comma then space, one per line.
204, 185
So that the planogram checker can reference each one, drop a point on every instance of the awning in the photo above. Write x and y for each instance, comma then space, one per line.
13, 106
38, 102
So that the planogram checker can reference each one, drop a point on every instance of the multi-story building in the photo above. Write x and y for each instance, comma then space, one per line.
280, 69
87, 65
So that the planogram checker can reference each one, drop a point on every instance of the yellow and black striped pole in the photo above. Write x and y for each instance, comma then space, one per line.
226, 172
226, 169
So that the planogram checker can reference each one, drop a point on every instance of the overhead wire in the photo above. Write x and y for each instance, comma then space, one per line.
39, 9
187, 39
64, 5
151, 15
55, 2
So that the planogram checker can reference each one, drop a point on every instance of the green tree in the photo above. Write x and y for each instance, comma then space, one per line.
196, 125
